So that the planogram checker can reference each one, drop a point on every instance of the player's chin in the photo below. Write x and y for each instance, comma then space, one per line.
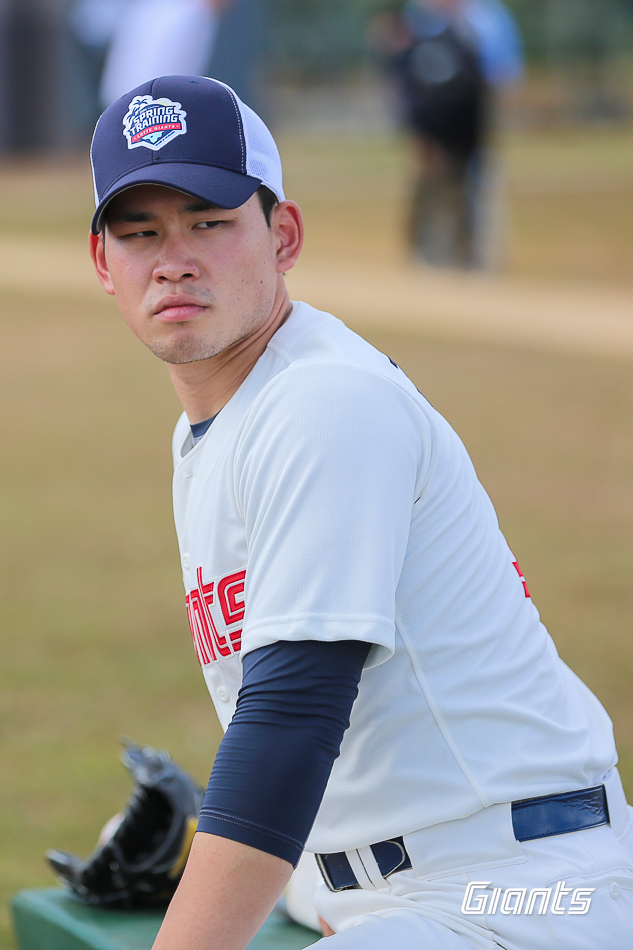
183, 351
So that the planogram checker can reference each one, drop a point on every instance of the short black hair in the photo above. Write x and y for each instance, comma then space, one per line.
267, 199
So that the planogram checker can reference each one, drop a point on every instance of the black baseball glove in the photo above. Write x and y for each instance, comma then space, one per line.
143, 851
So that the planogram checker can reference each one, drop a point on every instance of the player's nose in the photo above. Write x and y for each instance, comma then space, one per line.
174, 261
172, 269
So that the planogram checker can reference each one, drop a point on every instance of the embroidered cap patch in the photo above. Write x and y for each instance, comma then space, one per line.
153, 123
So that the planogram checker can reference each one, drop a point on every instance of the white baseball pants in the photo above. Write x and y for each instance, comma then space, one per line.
474, 887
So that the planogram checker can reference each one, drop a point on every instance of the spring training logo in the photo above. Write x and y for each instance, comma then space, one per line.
517, 900
152, 123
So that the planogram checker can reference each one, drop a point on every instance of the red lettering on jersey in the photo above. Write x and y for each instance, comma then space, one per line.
199, 628
515, 564
229, 589
206, 597
207, 638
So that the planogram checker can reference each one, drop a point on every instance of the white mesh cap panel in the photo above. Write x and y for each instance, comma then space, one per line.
262, 155
263, 160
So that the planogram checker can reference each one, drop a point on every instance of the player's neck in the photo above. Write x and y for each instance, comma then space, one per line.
205, 386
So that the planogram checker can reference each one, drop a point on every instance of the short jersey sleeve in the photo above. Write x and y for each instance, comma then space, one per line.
326, 473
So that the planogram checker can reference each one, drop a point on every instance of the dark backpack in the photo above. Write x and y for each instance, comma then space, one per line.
443, 89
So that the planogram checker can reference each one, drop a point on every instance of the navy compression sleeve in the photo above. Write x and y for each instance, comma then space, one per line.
274, 762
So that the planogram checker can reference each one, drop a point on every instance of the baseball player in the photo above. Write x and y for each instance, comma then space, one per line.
391, 701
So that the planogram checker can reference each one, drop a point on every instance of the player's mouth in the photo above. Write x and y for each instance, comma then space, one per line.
178, 308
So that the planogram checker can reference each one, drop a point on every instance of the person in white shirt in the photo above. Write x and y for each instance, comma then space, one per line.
157, 37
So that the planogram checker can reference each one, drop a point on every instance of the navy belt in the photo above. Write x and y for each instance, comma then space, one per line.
532, 818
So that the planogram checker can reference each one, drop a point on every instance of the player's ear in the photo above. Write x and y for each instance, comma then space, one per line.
97, 253
287, 225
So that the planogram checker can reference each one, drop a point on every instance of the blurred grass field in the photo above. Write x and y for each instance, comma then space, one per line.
95, 640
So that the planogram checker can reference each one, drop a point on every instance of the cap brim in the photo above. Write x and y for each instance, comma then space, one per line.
220, 187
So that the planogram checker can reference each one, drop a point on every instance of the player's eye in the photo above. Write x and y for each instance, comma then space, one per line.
208, 225
138, 234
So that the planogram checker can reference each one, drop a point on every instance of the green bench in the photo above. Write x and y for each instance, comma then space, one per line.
52, 919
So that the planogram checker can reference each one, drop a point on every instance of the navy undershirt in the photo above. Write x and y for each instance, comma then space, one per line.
198, 429
274, 762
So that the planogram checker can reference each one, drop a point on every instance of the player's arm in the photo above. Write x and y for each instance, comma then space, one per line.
226, 893
265, 790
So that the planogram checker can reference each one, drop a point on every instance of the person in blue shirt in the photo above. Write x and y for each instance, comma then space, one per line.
452, 61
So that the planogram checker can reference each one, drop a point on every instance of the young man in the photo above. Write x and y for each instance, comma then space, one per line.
348, 588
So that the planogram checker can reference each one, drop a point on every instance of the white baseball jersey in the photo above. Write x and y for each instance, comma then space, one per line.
330, 501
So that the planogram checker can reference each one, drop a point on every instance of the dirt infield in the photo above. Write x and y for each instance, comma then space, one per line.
389, 296
469, 308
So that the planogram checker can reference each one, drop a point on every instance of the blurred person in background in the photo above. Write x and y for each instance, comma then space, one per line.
450, 59
125, 42
158, 38
92, 24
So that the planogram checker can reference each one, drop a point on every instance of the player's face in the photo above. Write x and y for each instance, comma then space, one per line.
192, 280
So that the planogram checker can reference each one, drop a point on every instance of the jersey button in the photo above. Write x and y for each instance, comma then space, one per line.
185, 562
614, 890
223, 694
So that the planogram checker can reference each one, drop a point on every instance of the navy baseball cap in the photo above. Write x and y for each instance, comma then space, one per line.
186, 132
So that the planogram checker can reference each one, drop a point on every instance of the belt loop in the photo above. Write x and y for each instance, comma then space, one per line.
619, 810
358, 867
372, 869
